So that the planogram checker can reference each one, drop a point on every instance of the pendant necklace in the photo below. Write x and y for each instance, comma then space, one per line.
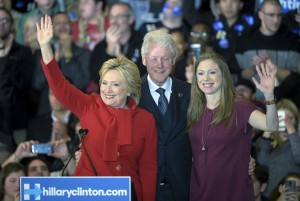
204, 139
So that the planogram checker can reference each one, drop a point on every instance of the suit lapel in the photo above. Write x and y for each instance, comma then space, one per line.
149, 104
174, 110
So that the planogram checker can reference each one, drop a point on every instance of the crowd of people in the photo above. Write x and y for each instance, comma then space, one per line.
182, 126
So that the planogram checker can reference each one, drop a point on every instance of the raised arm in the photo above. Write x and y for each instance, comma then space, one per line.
44, 36
267, 75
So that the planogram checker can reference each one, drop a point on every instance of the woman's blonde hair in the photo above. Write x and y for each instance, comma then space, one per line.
198, 100
130, 73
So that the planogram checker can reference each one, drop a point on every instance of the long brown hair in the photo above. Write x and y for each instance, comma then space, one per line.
198, 100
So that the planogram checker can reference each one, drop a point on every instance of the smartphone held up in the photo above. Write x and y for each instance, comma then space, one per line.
290, 186
281, 117
196, 49
42, 148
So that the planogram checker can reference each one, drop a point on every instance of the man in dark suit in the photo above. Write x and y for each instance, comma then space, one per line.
174, 152
58, 124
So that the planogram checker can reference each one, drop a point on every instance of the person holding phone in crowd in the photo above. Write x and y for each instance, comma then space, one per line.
122, 138
283, 147
288, 188
59, 152
220, 125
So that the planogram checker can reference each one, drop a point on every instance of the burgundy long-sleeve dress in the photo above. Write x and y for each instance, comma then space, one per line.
220, 172
120, 142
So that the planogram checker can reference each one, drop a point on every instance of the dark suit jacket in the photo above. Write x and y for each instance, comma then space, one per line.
174, 151
16, 69
40, 129
77, 70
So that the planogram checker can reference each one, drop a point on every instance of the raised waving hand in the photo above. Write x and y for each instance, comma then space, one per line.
45, 31
44, 36
267, 74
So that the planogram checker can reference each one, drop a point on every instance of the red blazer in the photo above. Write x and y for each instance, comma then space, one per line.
120, 142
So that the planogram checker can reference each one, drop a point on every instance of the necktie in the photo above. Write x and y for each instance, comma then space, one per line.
162, 101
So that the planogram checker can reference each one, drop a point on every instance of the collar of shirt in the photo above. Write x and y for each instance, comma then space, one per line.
65, 119
167, 86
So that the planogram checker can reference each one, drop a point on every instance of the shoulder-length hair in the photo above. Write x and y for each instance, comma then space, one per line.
198, 100
6, 171
129, 72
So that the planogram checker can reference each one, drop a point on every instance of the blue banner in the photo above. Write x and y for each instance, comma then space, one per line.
75, 188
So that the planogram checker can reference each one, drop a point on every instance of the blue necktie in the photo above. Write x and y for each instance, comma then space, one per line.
162, 101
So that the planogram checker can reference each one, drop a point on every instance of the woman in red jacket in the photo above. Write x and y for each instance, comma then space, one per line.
122, 137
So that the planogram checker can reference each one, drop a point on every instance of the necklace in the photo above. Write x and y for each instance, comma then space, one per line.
204, 139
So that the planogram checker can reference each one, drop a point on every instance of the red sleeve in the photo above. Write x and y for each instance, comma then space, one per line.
71, 97
148, 163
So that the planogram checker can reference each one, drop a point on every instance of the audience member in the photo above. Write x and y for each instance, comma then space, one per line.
74, 61
29, 33
229, 23
43, 8
201, 33
37, 166
8, 5
172, 19
272, 41
174, 152
246, 89
91, 25
57, 124
146, 10
181, 55
260, 182
24, 155
10, 181
292, 21
283, 193
120, 41
220, 123
16, 69
283, 147
71, 7
122, 139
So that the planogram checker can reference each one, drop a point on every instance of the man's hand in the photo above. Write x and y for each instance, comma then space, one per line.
113, 35
60, 150
59, 131
258, 59
24, 149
